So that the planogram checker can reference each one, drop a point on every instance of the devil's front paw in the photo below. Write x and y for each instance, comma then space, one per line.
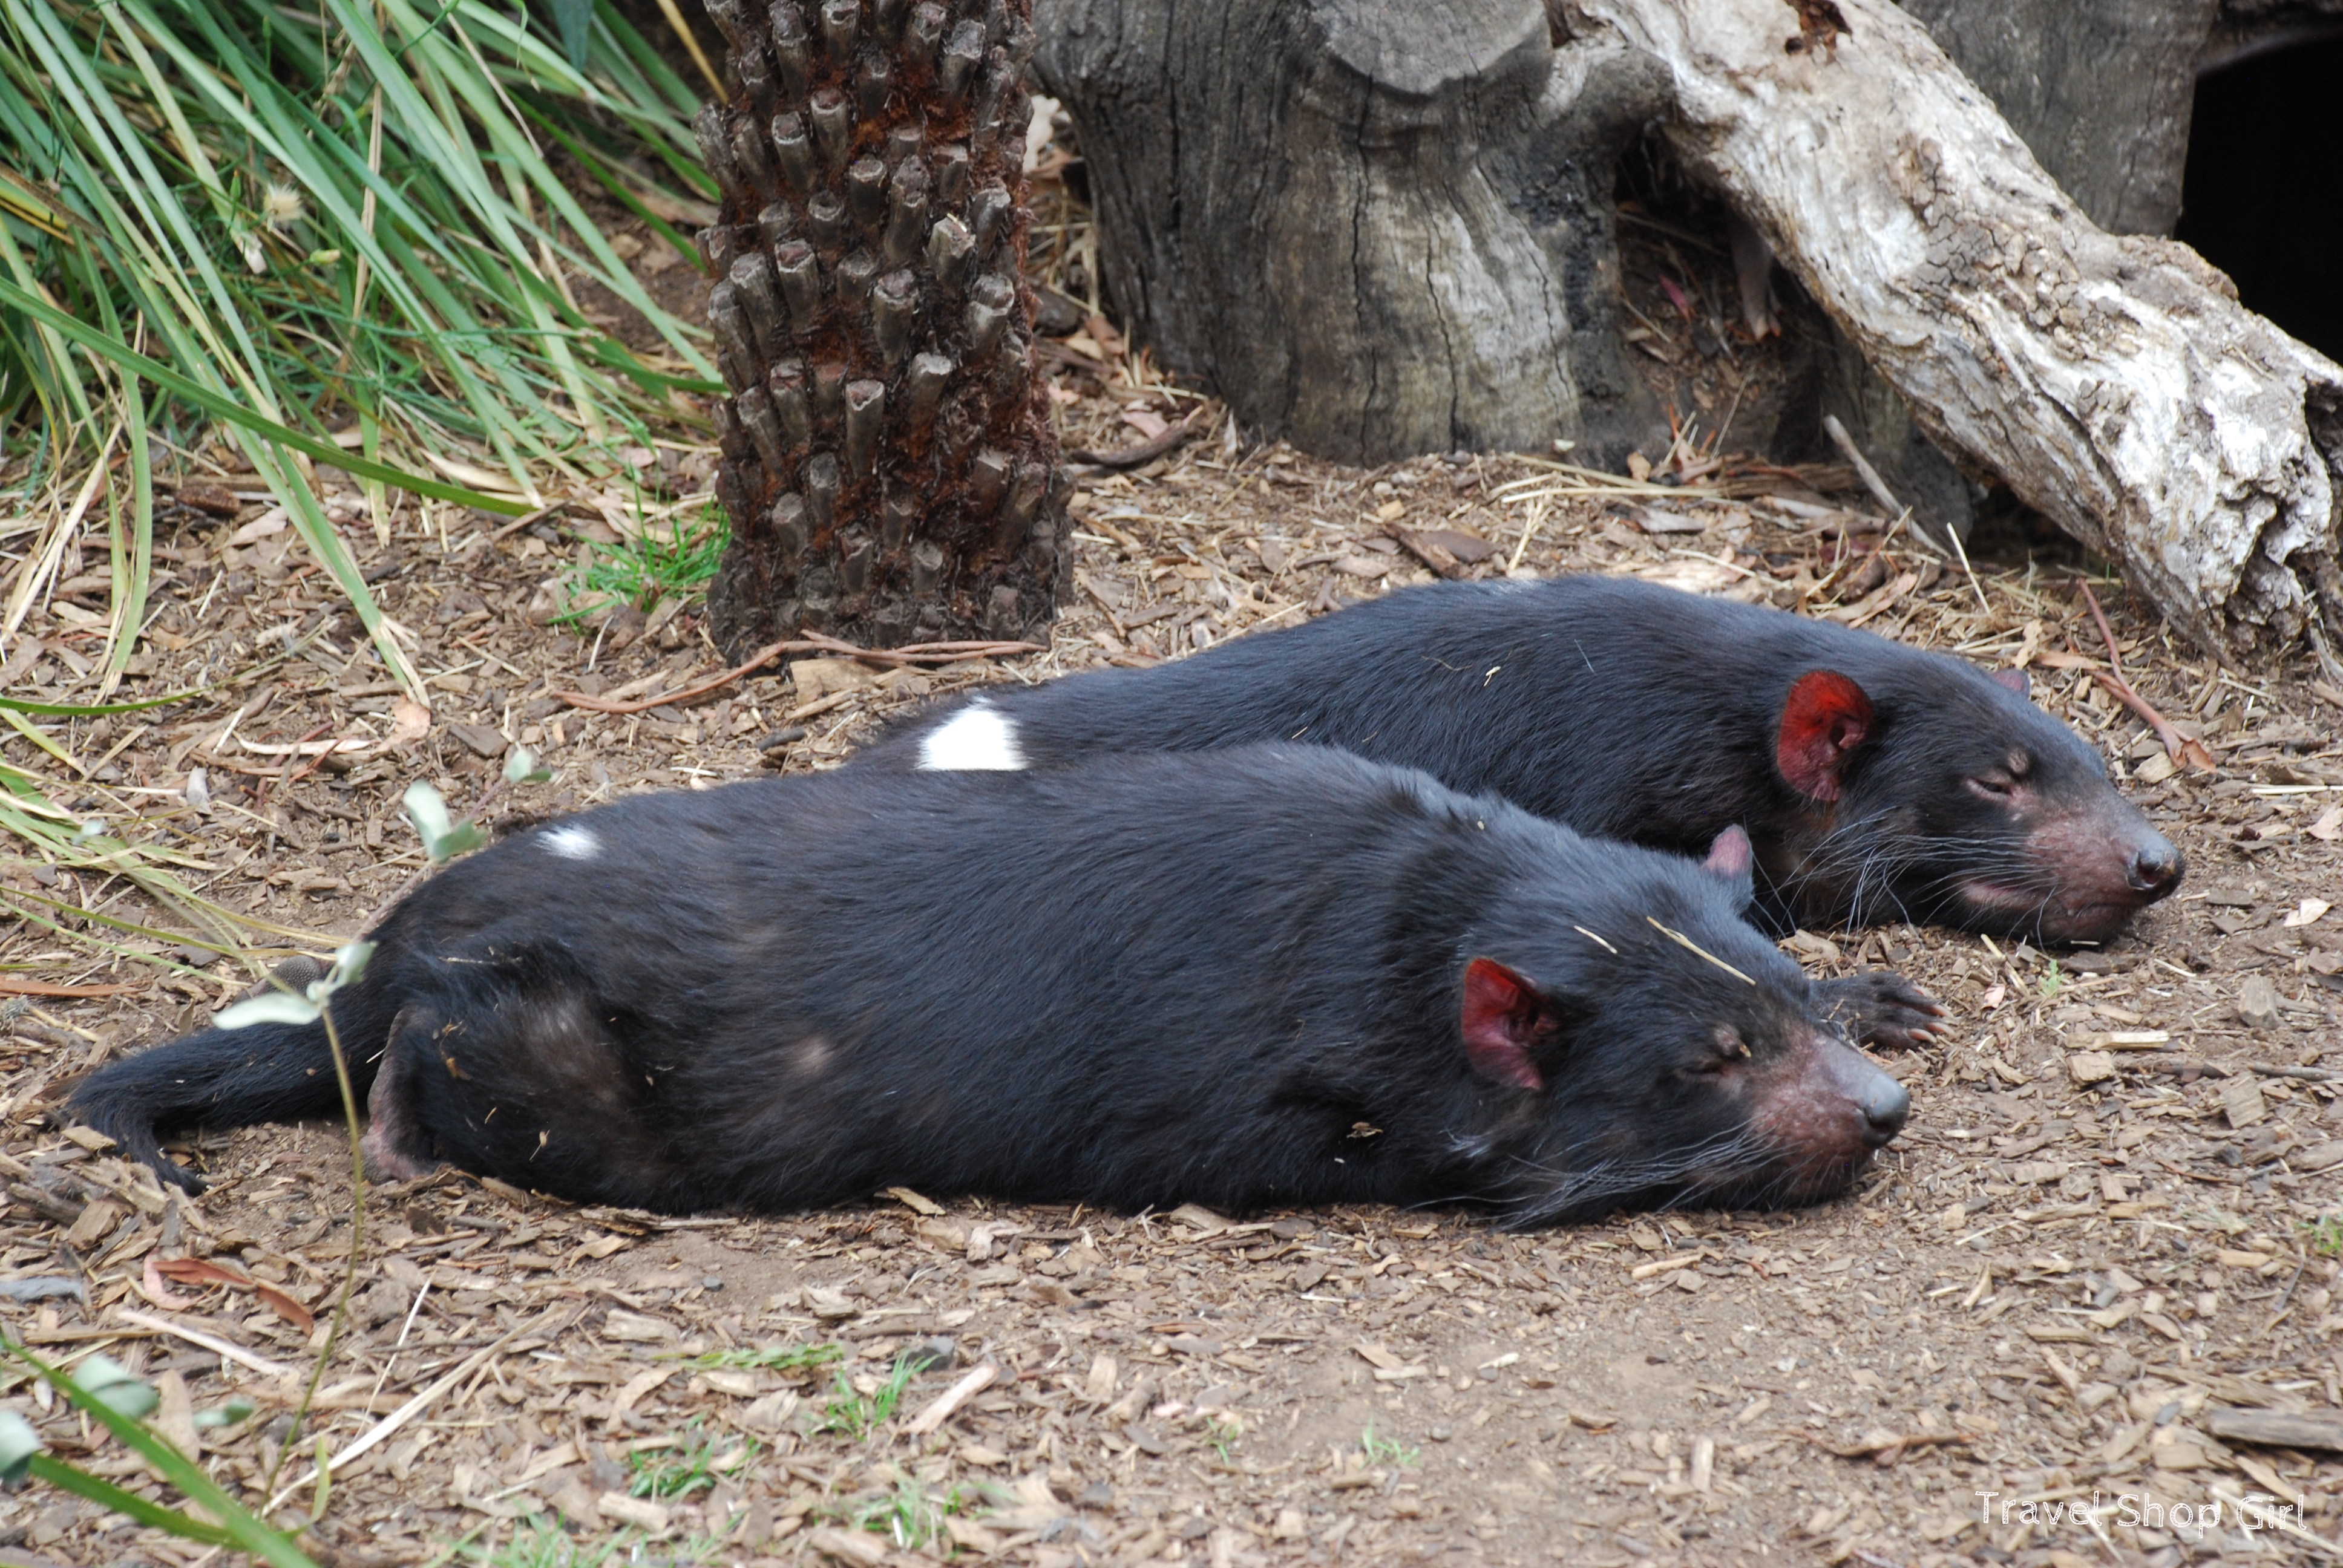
1881, 1008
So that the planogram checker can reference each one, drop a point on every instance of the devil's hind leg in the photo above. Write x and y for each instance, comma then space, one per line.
396, 1145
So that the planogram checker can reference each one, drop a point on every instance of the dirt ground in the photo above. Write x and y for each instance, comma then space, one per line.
2111, 1221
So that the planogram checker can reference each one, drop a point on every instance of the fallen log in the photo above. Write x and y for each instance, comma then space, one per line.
2114, 382
1379, 229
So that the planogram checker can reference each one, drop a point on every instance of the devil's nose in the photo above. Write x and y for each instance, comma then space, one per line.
1885, 1104
2156, 866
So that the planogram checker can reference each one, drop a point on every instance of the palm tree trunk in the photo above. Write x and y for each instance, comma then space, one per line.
889, 466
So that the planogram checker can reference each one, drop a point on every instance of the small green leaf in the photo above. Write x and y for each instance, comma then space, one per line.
426, 811
521, 766
235, 1412
270, 1007
349, 967
324, 1492
444, 838
462, 840
112, 1384
18, 1444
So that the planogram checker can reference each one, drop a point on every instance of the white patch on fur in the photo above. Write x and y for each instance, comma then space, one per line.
572, 842
976, 739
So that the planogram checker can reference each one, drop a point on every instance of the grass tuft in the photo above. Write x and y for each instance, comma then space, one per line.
339, 233
771, 1358
645, 569
689, 1466
854, 1414
910, 1514
537, 1543
1384, 1451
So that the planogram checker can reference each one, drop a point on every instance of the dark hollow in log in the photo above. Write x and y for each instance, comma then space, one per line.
889, 466
2265, 184
1375, 228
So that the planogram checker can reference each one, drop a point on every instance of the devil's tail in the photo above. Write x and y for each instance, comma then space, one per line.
220, 1078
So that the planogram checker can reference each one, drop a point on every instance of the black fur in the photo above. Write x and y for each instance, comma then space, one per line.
1234, 979
1633, 712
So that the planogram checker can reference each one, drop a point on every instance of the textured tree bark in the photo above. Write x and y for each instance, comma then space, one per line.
889, 464
1375, 227
2114, 382
2098, 90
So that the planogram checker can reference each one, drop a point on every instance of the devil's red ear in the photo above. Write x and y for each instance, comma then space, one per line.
2018, 680
1503, 1016
1825, 720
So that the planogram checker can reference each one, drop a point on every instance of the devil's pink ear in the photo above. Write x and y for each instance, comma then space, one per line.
1825, 718
1503, 1017
1729, 854
1730, 858
2018, 680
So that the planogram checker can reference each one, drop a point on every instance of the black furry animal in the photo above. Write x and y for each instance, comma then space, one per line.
1270, 975
1878, 782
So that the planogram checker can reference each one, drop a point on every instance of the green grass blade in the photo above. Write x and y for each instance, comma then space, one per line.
237, 1522
227, 408
593, 164
106, 1494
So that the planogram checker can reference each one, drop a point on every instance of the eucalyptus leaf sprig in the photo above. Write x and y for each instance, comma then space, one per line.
114, 1398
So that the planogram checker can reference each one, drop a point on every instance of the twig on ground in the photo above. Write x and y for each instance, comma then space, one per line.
518, 523
289, 771
2284, 1302
1962, 550
1862, 468
1145, 452
1528, 531
941, 1409
1877, 486
219, 1347
924, 652
813, 642
389, 1425
16, 985
2176, 746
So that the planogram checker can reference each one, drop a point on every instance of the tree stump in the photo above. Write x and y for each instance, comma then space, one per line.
1375, 227
1380, 228
889, 466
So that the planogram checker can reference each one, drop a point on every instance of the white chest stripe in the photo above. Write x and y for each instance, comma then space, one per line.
976, 738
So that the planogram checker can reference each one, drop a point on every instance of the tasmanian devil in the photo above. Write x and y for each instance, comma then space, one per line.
1272, 975
1878, 781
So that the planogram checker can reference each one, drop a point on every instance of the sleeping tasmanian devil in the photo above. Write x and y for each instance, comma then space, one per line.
1878, 782
1270, 975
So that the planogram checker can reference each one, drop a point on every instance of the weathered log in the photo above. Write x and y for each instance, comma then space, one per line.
888, 464
2098, 90
1375, 227
2113, 382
